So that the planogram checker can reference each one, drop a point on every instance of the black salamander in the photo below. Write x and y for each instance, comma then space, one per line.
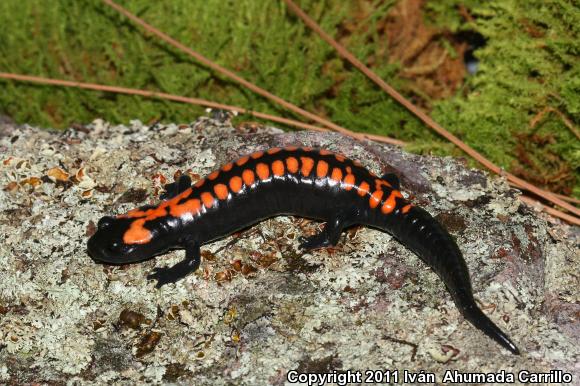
298, 181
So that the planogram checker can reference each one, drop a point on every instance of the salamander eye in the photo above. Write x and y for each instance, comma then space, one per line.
115, 246
105, 222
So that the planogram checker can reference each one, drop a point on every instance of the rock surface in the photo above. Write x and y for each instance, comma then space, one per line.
260, 307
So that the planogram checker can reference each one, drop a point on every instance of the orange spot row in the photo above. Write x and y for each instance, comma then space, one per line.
278, 168
137, 233
291, 162
221, 192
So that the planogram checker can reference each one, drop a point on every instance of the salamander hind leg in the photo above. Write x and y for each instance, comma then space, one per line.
180, 270
177, 187
330, 235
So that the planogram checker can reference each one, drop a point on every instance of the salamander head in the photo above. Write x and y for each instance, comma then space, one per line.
124, 240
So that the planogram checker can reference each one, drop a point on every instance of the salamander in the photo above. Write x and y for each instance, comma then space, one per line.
300, 181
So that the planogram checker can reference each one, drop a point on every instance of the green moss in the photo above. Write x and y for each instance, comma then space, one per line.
530, 62
89, 42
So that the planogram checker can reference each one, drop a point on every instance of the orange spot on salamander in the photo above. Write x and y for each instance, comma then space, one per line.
214, 175
137, 233
248, 177
406, 208
236, 184
278, 168
322, 169
375, 198
306, 148
307, 165
227, 167
363, 189
273, 150
291, 148
380, 183
324, 152
221, 191
199, 183
262, 171
207, 199
242, 160
186, 193
349, 181
336, 174
157, 212
136, 213
391, 202
191, 206
339, 158
257, 154
292, 164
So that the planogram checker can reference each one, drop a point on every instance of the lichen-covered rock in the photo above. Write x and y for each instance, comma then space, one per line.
259, 307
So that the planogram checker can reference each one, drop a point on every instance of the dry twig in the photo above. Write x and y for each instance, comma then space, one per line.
567, 122
554, 212
423, 116
178, 98
230, 74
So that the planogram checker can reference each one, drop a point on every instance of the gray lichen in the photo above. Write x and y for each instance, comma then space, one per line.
260, 307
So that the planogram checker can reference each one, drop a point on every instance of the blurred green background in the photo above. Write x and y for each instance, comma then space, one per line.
519, 108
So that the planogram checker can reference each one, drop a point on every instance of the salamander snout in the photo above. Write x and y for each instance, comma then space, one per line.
107, 246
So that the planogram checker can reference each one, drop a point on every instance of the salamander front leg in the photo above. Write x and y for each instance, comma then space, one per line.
329, 236
177, 187
180, 270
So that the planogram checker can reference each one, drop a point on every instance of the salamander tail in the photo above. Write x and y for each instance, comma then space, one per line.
483, 323
432, 243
